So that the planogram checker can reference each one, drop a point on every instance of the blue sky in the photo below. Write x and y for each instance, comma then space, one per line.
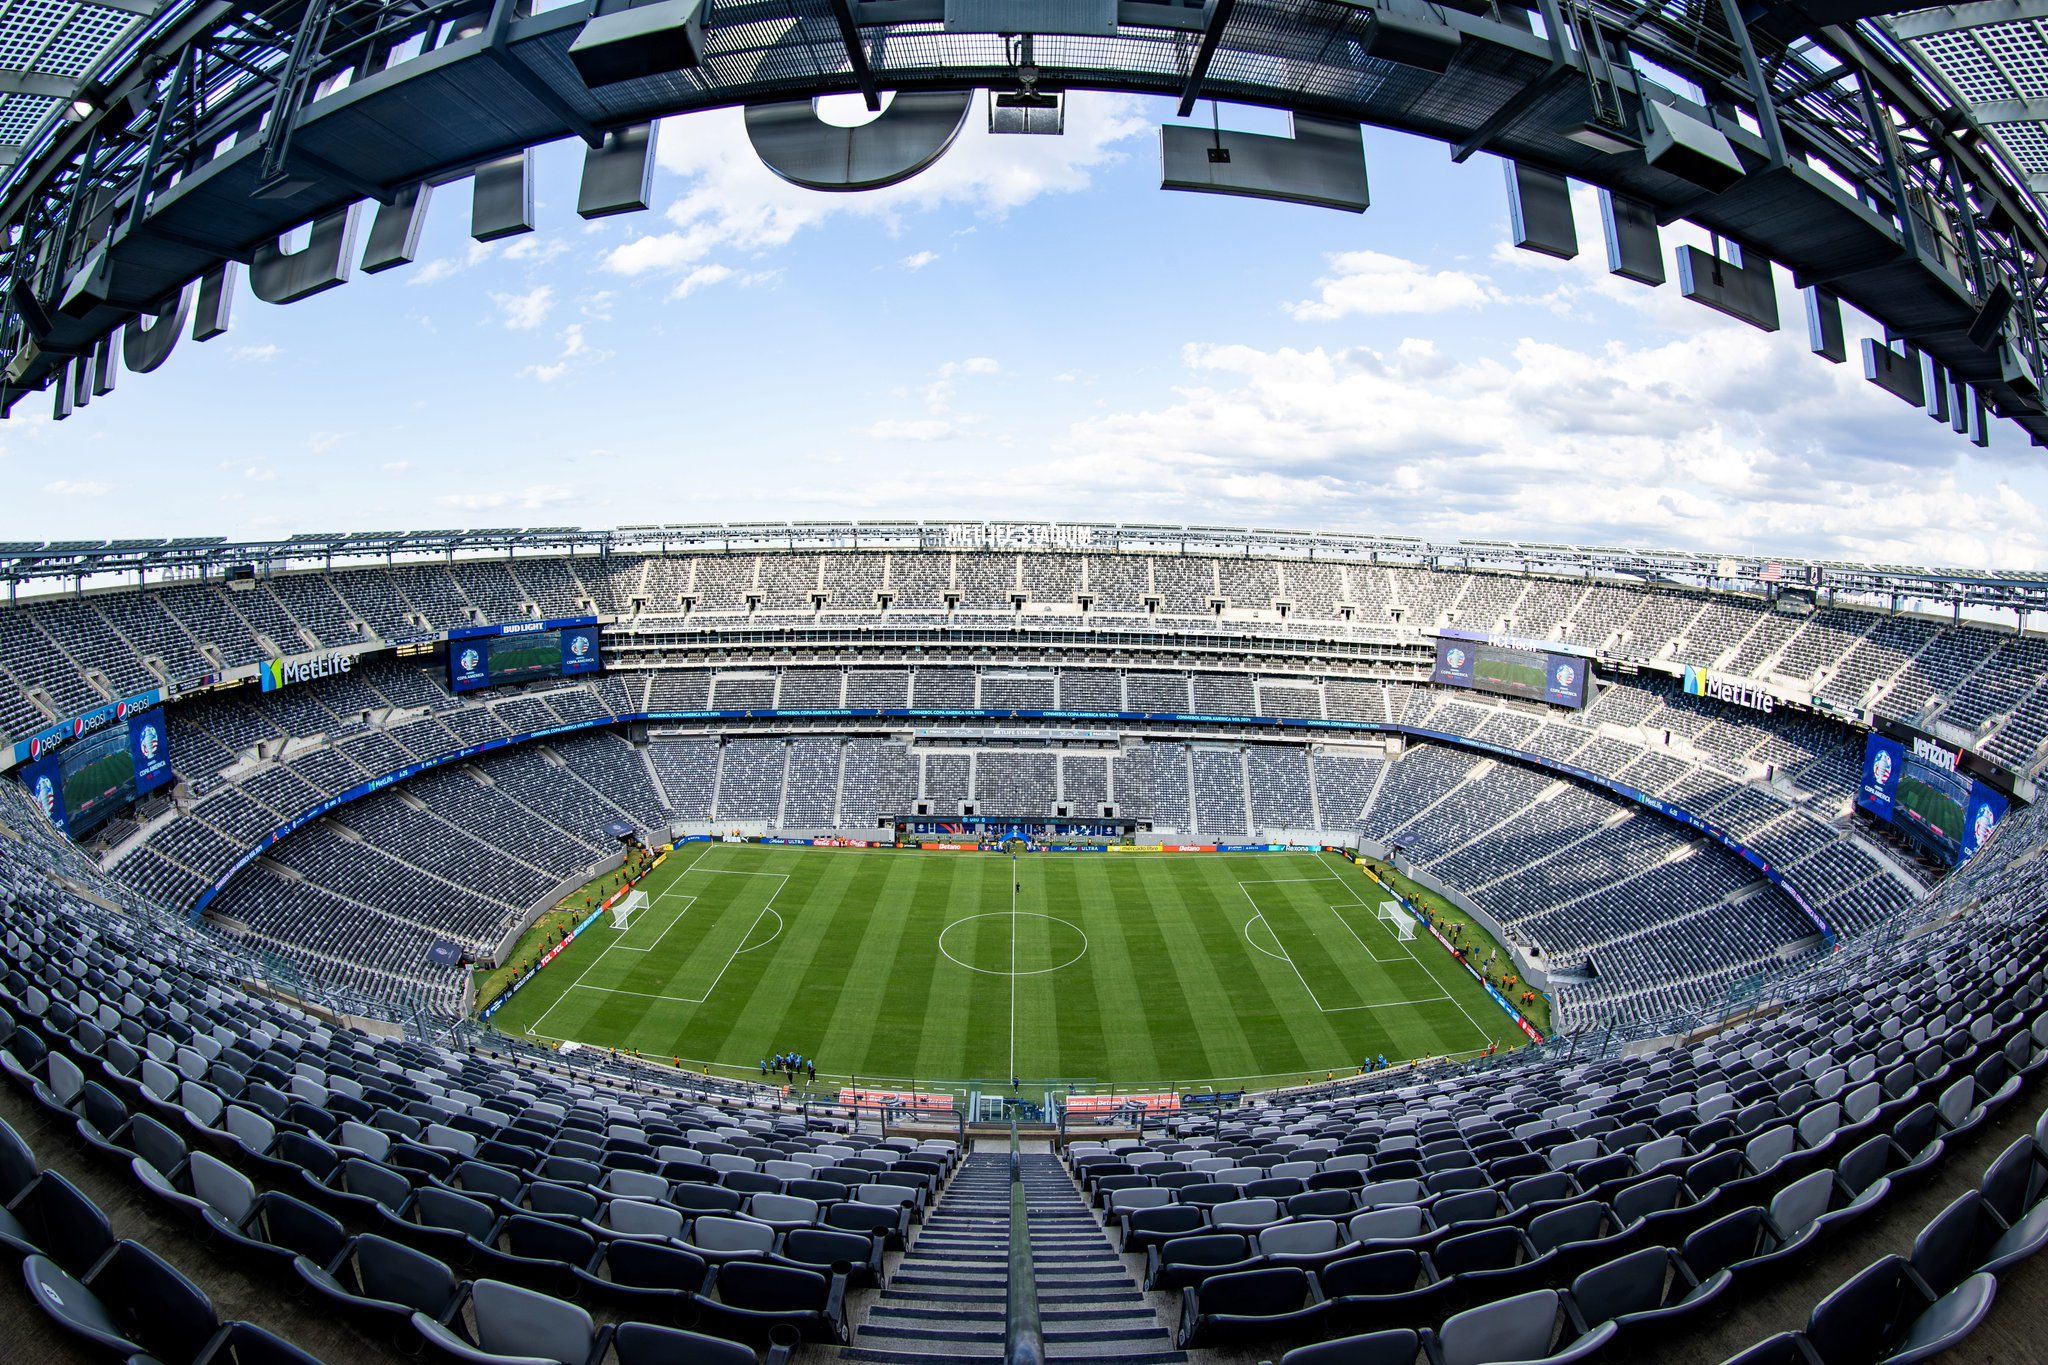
1030, 329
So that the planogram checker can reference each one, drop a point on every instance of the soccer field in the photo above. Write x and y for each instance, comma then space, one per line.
1127, 969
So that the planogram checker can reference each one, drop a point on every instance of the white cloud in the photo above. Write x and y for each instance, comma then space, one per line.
535, 248
396, 466
524, 312
1719, 438
255, 355
731, 202
320, 442
445, 267
1372, 283
434, 271
532, 498
576, 350
76, 488
918, 260
699, 278
910, 429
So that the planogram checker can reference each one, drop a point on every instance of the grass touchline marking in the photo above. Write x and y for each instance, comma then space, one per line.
1409, 948
534, 1027
661, 1020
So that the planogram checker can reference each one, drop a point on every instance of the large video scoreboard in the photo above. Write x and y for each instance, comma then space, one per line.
1509, 666
1922, 788
494, 656
108, 761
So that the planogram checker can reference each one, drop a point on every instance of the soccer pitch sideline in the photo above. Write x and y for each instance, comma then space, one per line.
1135, 970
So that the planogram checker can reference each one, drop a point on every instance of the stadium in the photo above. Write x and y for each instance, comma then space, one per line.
896, 938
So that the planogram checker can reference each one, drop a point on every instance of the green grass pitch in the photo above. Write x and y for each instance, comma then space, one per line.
1134, 970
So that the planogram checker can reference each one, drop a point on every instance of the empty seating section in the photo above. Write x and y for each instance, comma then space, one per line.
1217, 780
750, 780
1553, 1205
172, 632
464, 1194
1083, 689
688, 770
1611, 892
943, 689
1084, 783
1015, 783
813, 798
1282, 794
1602, 1209
1159, 693
809, 687
1016, 691
877, 689
948, 780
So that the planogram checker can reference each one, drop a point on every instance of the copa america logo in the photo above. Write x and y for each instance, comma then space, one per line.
1565, 675
579, 645
469, 660
1881, 769
1456, 658
1985, 822
150, 742
46, 797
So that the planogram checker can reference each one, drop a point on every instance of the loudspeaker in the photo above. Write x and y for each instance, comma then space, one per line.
1985, 331
631, 44
1420, 43
1689, 149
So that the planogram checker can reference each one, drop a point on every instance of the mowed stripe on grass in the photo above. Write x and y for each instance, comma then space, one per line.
1126, 969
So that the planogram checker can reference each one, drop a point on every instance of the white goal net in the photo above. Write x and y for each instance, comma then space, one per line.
1397, 919
623, 912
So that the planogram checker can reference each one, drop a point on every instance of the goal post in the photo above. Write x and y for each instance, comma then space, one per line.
623, 912
1395, 918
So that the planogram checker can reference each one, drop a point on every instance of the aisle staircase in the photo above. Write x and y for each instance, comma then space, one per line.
945, 1299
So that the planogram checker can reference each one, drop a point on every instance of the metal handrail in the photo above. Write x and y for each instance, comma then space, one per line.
1023, 1341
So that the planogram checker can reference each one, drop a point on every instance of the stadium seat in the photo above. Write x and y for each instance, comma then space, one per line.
1529, 1328
1270, 1304
383, 1283
500, 1323
131, 1303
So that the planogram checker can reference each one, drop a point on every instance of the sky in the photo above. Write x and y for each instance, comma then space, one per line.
1032, 329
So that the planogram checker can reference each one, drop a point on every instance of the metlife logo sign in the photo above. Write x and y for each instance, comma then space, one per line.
279, 673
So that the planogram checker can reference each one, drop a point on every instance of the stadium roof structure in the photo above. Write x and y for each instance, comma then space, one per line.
1991, 57
1803, 134
80, 562
51, 53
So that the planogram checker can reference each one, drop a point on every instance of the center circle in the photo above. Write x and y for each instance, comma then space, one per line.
1030, 957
